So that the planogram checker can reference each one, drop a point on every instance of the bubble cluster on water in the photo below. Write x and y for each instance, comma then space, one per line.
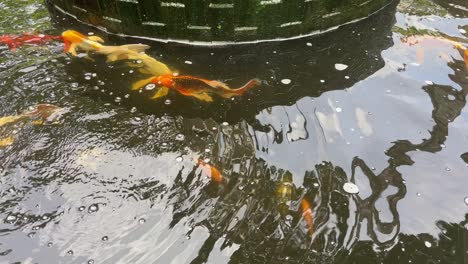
340, 66
350, 188
93, 208
150, 86
180, 137
11, 218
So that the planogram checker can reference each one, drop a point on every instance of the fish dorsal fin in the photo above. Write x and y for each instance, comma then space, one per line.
217, 84
96, 39
136, 47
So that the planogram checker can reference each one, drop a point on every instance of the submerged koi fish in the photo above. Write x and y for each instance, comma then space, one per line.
211, 171
194, 86
42, 111
39, 114
15, 41
415, 40
307, 213
75, 41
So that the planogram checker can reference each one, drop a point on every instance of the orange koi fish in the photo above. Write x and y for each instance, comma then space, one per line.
307, 213
15, 41
414, 40
211, 171
195, 87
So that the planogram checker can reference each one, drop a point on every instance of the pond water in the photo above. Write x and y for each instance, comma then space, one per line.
366, 123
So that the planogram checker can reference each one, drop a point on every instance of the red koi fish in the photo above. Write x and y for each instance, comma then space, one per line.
194, 86
307, 213
15, 41
211, 171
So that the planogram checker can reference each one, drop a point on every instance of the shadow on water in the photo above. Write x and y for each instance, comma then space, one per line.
123, 187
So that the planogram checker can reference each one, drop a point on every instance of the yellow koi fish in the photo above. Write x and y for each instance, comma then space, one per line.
38, 114
75, 41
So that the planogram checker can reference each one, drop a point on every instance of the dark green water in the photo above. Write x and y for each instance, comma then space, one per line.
115, 178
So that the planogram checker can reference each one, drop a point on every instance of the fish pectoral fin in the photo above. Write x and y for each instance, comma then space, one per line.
112, 57
163, 91
141, 83
88, 57
203, 97
96, 39
72, 49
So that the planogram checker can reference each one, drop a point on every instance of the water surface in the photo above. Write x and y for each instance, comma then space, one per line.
115, 178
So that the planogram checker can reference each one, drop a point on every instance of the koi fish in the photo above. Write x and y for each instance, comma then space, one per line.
211, 171
38, 114
15, 41
42, 111
142, 62
307, 213
5, 142
75, 41
194, 86
414, 40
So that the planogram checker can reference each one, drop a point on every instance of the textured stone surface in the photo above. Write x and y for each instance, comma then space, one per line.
228, 20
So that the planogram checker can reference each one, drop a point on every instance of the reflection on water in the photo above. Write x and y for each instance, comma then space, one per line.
135, 180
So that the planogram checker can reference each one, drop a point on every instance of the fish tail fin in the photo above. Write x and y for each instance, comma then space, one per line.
249, 85
124, 48
136, 47
139, 84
